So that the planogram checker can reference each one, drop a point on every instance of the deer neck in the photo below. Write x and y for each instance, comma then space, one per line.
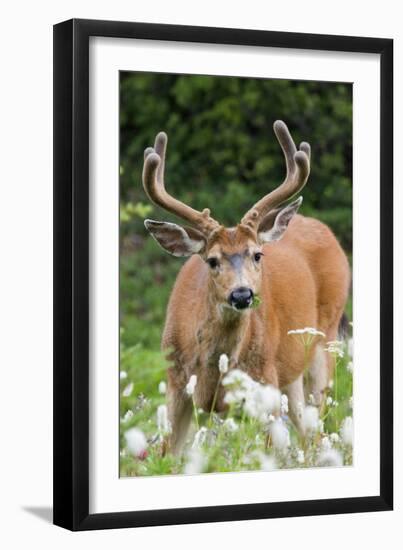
226, 331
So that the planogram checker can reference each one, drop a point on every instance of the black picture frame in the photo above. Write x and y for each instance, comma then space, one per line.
71, 273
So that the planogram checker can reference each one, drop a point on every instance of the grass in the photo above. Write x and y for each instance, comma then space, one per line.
237, 441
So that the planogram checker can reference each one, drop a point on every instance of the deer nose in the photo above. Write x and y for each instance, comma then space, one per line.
241, 297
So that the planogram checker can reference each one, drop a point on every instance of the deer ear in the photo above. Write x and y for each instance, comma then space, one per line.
177, 240
273, 225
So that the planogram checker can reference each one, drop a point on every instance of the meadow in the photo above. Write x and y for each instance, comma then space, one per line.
222, 154
254, 434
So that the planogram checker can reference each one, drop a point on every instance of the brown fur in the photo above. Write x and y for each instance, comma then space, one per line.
302, 280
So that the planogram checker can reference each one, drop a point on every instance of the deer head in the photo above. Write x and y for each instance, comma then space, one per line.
232, 255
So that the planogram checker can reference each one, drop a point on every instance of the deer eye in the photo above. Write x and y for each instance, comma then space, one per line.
212, 262
257, 256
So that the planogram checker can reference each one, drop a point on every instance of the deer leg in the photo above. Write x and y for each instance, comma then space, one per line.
296, 403
179, 414
318, 375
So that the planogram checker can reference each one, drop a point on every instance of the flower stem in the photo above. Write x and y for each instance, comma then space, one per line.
213, 404
195, 414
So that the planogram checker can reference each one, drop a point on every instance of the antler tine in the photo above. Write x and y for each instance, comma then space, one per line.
297, 166
153, 183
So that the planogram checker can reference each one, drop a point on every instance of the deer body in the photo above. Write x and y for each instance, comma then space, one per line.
293, 263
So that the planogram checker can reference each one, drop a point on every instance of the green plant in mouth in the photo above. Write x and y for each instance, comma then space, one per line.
256, 301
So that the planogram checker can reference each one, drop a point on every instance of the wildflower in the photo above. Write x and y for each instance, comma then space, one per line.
267, 463
284, 404
260, 401
162, 387
335, 347
190, 386
279, 434
347, 432
330, 458
128, 390
123, 374
307, 330
320, 425
300, 456
271, 418
329, 401
306, 335
350, 367
230, 425
136, 442
127, 416
223, 364
164, 426
350, 347
325, 443
237, 377
311, 418
200, 437
195, 463
334, 437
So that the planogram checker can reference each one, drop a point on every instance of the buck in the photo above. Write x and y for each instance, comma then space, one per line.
294, 264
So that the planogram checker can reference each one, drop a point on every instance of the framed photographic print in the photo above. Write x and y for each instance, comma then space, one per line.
223, 318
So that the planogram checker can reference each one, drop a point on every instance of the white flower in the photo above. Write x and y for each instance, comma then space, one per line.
237, 377
279, 434
223, 364
334, 437
311, 418
128, 390
136, 441
162, 387
350, 347
271, 418
260, 401
350, 367
300, 456
347, 431
336, 348
127, 416
200, 437
195, 463
284, 404
123, 374
267, 463
190, 386
329, 401
230, 425
325, 443
307, 330
320, 425
330, 458
164, 426
234, 396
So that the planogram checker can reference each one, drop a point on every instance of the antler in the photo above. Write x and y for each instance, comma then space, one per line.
153, 182
298, 165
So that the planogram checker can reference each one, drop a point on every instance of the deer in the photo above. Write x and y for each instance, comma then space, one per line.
293, 263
